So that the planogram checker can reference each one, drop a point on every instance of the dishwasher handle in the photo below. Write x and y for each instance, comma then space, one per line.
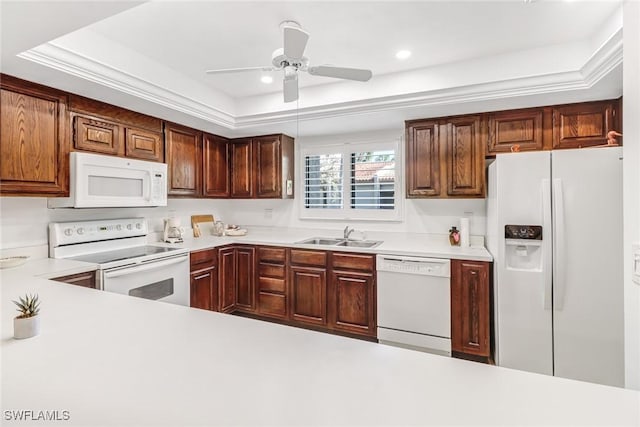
414, 265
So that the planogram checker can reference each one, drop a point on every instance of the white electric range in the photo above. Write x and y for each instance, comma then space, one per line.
126, 263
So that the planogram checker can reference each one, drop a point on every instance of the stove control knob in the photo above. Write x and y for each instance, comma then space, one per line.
80, 230
68, 231
138, 226
129, 226
118, 227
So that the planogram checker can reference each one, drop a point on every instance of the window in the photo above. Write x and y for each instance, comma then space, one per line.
351, 181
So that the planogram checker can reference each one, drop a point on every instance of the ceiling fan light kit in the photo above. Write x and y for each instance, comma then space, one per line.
290, 58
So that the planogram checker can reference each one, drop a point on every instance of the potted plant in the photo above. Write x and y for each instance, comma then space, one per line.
27, 324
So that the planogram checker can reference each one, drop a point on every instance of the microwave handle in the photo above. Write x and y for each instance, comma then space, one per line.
144, 267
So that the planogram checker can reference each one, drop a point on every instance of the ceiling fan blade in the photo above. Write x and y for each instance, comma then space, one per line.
341, 73
290, 89
239, 70
295, 41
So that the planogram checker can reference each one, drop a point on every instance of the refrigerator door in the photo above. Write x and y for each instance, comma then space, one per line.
521, 184
588, 265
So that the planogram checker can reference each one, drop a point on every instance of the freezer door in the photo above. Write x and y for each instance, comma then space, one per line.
588, 265
521, 183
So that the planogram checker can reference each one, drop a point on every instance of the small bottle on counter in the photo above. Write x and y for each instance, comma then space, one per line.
454, 236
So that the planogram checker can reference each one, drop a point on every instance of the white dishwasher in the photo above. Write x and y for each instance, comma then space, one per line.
414, 303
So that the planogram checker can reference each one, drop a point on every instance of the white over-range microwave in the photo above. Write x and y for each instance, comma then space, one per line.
99, 181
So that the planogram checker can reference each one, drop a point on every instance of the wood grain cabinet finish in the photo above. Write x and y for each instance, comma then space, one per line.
242, 185
272, 282
465, 157
308, 289
97, 135
204, 279
215, 167
448, 150
520, 130
470, 308
227, 279
183, 148
352, 302
144, 144
583, 125
245, 278
423, 159
86, 280
34, 139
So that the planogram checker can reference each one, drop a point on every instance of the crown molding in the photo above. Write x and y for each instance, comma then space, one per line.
606, 57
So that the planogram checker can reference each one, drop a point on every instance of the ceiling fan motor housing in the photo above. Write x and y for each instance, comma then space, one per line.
280, 60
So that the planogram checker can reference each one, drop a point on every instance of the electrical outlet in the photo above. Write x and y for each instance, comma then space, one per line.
268, 213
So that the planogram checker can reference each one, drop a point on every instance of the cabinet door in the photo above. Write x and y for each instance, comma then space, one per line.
352, 307
216, 166
86, 280
34, 140
204, 289
465, 156
242, 169
423, 159
144, 144
519, 130
268, 167
227, 279
184, 160
583, 125
308, 295
245, 278
470, 309
97, 135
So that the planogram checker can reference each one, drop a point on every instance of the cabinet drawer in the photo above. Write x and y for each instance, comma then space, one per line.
272, 254
271, 284
87, 280
271, 270
101, 136
203, 259
353, 261
303, 257
272, 304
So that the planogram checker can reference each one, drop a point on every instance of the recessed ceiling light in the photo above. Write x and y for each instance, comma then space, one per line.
266, 79
403, 54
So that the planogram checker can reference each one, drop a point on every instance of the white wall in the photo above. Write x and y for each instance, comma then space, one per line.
631, 132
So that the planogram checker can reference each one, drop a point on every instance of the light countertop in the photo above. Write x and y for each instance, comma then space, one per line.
111, 359
410, 244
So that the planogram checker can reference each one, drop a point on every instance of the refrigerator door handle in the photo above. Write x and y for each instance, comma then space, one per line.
559, 252
546, 244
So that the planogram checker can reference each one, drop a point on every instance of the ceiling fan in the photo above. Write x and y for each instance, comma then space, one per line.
291, 59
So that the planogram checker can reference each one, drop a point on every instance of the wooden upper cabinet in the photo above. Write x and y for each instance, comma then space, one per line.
423, 159
470, 308
584, 125
518, 130
268, 167
34, 139
242, 169
465, 157
183, 147
215, 166
97, 135
144, 144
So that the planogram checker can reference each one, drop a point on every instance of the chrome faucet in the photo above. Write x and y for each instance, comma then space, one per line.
347, 232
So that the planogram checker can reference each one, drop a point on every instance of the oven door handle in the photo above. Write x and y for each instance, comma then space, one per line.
144, 267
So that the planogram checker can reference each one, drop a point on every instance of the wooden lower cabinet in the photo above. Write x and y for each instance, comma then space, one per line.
227, 279
352, 302
272, 283
308, 294
86, 280
245, 278
470, 309
204, 279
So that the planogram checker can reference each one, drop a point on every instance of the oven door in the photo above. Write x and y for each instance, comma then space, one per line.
165, 279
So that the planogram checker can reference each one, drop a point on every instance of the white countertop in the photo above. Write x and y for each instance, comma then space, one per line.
47, 268
111, 359
410, 244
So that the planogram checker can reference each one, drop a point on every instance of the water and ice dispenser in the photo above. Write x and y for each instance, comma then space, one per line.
523, 247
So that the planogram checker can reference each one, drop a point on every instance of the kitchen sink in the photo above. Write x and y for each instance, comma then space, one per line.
320, 241
331, 241
360, 243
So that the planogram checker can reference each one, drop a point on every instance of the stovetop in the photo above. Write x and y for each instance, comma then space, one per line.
107, 257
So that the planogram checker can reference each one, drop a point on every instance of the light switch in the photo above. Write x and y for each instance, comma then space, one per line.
635, 253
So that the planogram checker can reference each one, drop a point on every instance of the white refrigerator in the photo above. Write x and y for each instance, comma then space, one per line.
558, 296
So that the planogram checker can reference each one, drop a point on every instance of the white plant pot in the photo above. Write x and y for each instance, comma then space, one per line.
27, 327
